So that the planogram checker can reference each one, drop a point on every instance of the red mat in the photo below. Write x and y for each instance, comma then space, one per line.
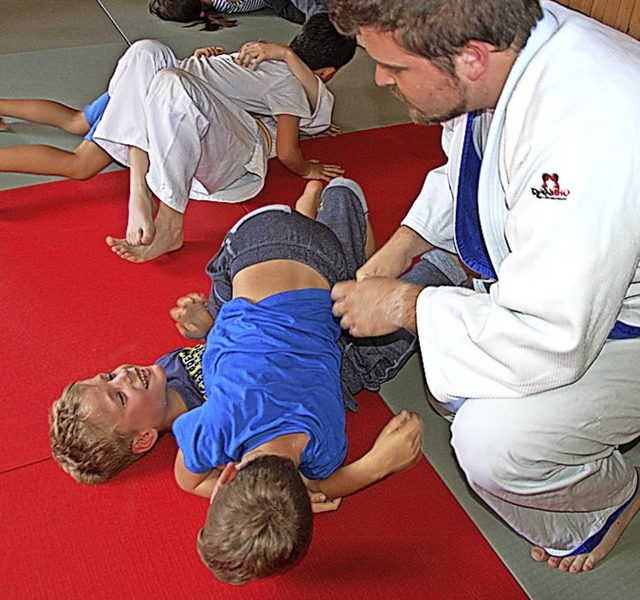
70, 307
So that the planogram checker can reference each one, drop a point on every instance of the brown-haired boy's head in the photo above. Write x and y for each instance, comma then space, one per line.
259, 524
101, 425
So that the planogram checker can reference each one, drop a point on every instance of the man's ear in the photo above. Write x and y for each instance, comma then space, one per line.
144, 441
326, 73
473, 60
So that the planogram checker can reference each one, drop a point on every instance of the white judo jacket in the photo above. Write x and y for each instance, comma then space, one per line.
559, 211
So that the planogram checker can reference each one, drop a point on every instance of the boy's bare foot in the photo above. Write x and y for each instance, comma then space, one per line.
168, 238
309, 202
192, 317
587, 561
140, 227
3, 125
165, 241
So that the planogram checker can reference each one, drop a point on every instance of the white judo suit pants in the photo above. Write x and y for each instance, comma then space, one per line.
550, 464
189, 130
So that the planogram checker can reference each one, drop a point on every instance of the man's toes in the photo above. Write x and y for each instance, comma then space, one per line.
553, 561
539, 554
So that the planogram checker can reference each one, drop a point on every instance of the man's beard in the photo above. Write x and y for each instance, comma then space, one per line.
422, 118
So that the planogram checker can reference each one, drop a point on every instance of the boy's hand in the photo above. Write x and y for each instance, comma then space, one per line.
191, 316
253, 53
333, 130
208, 52
398, 445
324, 172
320, 504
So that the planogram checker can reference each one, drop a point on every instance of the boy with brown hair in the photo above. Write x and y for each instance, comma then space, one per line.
271, 371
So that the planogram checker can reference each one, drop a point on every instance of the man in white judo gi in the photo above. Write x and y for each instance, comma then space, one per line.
536, 361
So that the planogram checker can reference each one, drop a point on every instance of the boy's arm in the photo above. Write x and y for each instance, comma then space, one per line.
200, 484
253, 53
397, 447
288, 126
290, 155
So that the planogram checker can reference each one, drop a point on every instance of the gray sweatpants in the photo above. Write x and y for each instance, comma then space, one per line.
334, 245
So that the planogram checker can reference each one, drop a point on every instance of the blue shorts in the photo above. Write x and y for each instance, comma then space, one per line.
93, 114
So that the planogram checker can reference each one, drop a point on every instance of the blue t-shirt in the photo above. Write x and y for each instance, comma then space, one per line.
270, 369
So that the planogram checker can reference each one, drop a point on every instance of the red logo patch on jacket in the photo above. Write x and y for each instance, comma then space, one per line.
550, 188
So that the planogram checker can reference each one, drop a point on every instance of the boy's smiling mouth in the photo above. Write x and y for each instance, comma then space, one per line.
143, 377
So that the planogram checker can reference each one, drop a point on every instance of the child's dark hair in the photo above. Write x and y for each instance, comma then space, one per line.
190, 11
258, 524
319, 44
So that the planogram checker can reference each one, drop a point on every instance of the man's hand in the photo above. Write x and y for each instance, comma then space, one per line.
375, 306
399, 444
253, 53
208, 52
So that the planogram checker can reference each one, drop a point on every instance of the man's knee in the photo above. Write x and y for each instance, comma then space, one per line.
490, 448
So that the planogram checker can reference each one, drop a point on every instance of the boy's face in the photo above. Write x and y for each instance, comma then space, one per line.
130, 398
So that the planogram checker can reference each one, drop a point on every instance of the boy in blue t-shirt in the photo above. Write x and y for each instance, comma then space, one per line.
272, 431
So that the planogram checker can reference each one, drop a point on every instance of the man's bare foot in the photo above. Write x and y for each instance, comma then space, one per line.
3, 125
587, 561
191, 316
140, 227
309, 202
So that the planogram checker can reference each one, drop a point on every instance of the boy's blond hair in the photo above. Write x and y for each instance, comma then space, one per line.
258, 524
86, 449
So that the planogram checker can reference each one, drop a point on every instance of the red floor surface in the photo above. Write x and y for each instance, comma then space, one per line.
72, 308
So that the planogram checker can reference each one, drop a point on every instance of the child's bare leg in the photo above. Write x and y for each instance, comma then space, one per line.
192, 317
140, 226
309, 201
586, 562
370, 242
87, 160
46, 112
168, 237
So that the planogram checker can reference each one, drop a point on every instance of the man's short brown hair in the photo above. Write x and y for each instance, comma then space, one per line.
258, 524
438, 29
86, 449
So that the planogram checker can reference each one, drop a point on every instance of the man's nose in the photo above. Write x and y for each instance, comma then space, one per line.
382, 77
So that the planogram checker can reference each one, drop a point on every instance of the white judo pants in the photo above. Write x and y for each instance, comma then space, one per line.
198, 141
549, 464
